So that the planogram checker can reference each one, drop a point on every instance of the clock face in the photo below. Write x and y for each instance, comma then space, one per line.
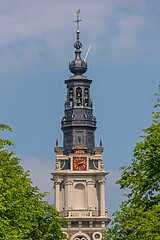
79, 163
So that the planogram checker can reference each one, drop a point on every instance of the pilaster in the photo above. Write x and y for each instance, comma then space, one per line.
68, 195
90, 193
57, 192
102, 197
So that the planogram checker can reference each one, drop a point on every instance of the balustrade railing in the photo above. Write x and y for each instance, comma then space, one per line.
79, 213
82, 213
78, 122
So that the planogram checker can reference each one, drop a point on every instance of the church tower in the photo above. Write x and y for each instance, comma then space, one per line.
79, 178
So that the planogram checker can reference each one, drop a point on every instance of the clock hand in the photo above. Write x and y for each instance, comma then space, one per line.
80, 163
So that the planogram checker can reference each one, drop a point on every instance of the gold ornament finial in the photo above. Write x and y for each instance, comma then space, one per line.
77, 21
78, 11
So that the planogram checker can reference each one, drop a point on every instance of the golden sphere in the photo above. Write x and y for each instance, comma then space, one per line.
77, 31
102, 165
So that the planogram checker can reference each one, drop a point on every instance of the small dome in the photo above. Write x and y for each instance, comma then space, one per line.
78, 66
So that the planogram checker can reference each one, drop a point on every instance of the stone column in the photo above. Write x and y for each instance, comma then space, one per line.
74, 95
65, 196
68, 195
91, 192
102, 197
57, 192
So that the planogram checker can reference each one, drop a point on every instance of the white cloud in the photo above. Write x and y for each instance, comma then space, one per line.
114, 195
36, 32
40, 172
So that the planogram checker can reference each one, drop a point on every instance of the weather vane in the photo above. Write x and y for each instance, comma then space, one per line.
78, 20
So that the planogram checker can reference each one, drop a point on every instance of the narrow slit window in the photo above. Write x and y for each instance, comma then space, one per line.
86, 97
71, 98
79, 96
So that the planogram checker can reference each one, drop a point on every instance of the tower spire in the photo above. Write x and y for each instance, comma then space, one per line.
78, 66
79, 176
78, 44
78, 20
78, 31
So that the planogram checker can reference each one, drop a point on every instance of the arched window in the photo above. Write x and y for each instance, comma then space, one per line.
79, 96
86, 97
71, 98
79, 196
80, 236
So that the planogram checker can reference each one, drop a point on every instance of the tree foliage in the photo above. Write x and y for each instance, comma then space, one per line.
23, 212
139, 215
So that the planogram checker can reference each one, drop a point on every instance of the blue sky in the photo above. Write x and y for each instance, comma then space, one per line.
36, 45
